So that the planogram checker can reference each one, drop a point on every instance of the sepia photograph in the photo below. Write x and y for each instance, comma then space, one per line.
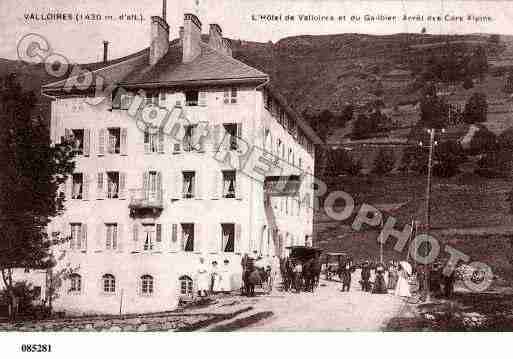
254, 166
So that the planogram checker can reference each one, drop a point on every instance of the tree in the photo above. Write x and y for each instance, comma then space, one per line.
434, 111
383, 163
362, 127
476, 108
468, 83
478, 63
32, 172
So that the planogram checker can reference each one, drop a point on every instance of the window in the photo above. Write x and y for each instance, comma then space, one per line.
188, 236
76, 235
188, 137
109, 283
151, 142
78, 181
126, 100
112, 184
153, 186
77, 137
268, 102
291, 126
230, 95
152, 98
229, 184
228, 237
149, 237
113, 140
231, 130
189, 179
75, 283
147, 284
186, 285
191, 98
111, 240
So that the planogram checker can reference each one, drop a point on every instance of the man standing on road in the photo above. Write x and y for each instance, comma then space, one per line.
298, 271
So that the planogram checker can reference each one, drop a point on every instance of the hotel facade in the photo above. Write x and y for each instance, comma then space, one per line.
193, 155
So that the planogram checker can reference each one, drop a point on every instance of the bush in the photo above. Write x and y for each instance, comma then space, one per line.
383, 163
476, 108
26, 296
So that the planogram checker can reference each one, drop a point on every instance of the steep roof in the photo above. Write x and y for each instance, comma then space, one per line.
209, 66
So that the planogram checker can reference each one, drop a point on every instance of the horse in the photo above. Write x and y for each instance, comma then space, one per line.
311, 273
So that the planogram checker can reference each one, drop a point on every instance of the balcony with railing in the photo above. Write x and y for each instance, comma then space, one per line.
141, 200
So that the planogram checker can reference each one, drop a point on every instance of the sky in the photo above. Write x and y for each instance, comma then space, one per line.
81, 41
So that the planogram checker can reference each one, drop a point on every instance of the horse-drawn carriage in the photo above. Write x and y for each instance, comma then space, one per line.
302, 268
334, 262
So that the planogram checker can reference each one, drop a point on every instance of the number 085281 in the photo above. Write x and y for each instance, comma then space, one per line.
36, 348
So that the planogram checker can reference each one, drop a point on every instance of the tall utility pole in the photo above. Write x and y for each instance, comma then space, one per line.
430, 169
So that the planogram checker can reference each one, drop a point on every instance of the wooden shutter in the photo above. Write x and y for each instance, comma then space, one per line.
215, 236
158, 232
180, 237
199, 243
215, 190
146, 187
202, 98
84, 236
67, 134
100, 186
121, 237
161, 141
198, 190
72, 243
174, 245
159, 186
124, 142
237, 244
135, 237
147, 136
238, 185
239, 136
100, 244
177, 185
85, 186
122, 185
216, 137
101, 142
87, 142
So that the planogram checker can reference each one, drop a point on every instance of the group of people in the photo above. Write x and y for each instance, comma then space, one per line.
214, 279
393, 278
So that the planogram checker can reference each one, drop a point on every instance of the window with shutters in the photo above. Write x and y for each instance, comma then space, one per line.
191, 98
153, 185
109, 283
146, 284
188, 138
76, 236
152, 98
126, 100
188, 236
113, 140
228, 237
77, 140
229, 184
230, 95
112, 184
151, 142
149, 237
75, 283
111, 233
189, 179
232, 131
77, 186
186, 285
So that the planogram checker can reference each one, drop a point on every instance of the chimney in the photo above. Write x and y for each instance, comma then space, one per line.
164, 10
227, 47
159, 39
105, 51
191, 38
180, 33
215, 38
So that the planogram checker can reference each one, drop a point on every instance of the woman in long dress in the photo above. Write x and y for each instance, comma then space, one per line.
216, 278
224, 277
403, 287
203, 278
392, 276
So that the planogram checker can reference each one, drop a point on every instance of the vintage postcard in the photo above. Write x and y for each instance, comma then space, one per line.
254, 166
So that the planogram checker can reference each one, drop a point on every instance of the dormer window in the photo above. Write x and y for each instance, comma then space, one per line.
230, 95
191, 98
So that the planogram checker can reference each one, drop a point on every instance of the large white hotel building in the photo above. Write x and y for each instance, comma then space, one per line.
145, 203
